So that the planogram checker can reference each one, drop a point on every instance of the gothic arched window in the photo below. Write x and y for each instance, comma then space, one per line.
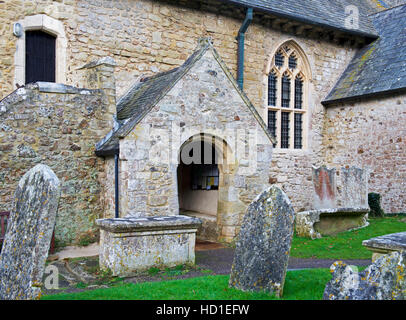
287, 94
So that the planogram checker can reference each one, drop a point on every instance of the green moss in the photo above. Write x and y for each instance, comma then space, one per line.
153, 271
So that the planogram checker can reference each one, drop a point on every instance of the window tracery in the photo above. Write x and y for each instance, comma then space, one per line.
286, 101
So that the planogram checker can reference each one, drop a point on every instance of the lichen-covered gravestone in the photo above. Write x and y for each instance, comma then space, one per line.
385, 279
263, 245
29, 232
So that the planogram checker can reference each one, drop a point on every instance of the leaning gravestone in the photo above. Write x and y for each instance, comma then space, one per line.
263, 245
29, 232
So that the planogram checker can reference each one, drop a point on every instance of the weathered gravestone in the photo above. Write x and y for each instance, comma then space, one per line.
385, 279
263, 245
354, 185
324, 181
29, 232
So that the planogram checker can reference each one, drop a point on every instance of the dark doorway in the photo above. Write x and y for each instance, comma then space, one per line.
39, 56
198, 186
198, 181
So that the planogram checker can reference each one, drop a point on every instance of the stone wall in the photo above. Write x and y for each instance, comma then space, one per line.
109, 189
58, 126
371, 134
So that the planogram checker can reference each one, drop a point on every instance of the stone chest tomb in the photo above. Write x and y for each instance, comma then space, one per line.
386, 244
134, 244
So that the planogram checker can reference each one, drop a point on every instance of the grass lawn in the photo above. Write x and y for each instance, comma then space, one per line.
299, 285
346, 245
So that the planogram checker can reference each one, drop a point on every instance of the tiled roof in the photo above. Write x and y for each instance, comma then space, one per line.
325, 13
146, 93
143, 95
379, 67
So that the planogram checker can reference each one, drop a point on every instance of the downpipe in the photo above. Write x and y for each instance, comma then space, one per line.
241, 43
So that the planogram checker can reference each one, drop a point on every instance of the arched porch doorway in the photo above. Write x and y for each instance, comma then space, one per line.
202, 182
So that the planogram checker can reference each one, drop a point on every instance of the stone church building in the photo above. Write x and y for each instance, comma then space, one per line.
117, 95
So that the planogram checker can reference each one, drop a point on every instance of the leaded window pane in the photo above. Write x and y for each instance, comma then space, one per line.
285, 92
298, 93
285, 130
279, 59
298, 129
272, 122
292, 62
272, 89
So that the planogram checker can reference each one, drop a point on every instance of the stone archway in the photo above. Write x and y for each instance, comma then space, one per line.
204, 175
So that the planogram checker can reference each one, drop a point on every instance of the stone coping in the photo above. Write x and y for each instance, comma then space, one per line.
337, 211
387, 242
141, 224
105, 60
53, 87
